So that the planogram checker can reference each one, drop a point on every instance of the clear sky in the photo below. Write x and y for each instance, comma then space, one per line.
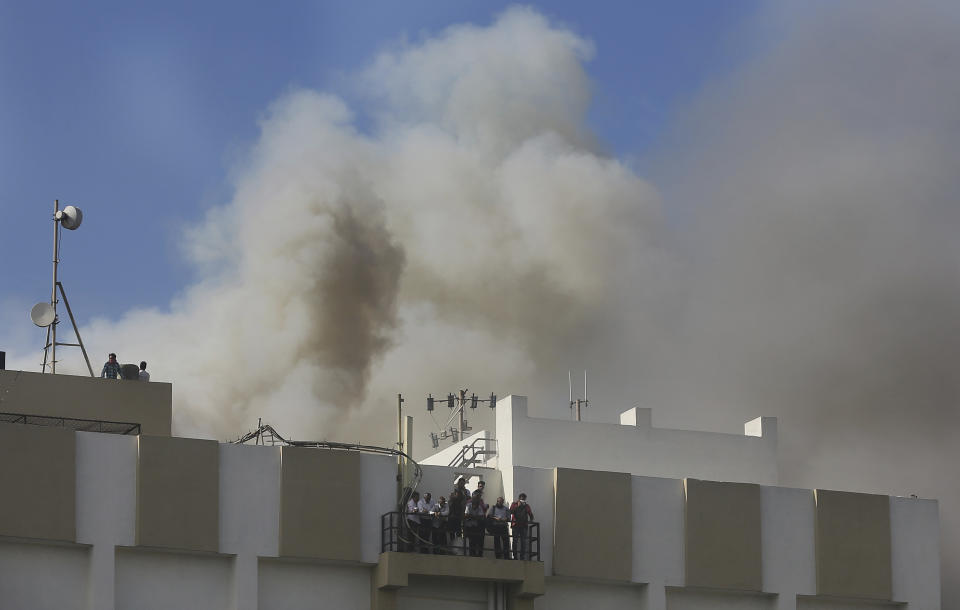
136, 112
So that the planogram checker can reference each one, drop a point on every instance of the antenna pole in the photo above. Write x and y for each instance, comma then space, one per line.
400, 462
463, 402
75, 329
53, 290
46, 346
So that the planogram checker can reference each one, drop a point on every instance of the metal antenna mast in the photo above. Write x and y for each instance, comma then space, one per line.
578, 404
460, 399
44, 314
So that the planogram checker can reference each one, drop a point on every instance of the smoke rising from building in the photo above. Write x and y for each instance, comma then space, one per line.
790, 251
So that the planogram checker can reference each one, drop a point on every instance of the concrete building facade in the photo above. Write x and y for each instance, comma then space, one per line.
95, 520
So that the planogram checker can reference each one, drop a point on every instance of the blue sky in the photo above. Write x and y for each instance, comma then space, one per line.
136, 112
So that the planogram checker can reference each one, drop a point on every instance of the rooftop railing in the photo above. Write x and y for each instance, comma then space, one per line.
473, 538
80, 425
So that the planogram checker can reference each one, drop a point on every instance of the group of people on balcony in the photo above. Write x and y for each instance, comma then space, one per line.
437, 525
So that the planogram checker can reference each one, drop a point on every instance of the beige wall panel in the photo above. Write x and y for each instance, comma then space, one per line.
320, 503
178, 493
853, 544
38, 470
148, 404
593, 524
722, 544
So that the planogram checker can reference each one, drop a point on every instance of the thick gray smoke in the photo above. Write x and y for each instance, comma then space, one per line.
474, 236
805, 263
819, 190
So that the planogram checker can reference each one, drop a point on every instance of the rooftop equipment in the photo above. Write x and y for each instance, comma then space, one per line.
45, 315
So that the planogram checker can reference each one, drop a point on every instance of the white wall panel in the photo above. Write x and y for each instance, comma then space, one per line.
566, 595
157, 580
43, 576
288, 585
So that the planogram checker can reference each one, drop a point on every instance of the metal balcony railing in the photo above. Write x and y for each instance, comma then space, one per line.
474, 453
80, 425
433, 535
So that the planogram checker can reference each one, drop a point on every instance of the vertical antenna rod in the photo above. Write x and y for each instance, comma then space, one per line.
53, 290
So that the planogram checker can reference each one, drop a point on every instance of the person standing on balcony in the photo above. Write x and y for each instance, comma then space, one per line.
111, 368
473, 526
144, 375
458, 502
413, 522
441, 512
425, 509
521, 515
497, 518
478, 493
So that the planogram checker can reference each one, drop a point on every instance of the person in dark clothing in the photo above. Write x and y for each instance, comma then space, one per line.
473, 526
111, 368
521, 515
458, 503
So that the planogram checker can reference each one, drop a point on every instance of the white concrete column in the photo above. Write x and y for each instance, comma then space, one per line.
245, 582
656, 597
786, 601
106, 507
100, 593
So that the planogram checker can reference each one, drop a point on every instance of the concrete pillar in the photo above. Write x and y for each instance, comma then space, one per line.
103, 562
246, 585
656, 597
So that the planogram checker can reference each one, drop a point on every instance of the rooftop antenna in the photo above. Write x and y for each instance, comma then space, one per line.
578, 404
457, 403
45, 315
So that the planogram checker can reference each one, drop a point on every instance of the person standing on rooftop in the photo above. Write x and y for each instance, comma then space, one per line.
111, 368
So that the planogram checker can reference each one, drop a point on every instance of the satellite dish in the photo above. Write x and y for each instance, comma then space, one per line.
43, 314
70, 217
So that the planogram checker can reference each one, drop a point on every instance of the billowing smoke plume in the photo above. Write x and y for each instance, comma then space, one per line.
819, 190
806, 264
471, 236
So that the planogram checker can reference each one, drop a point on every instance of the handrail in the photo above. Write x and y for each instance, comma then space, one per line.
74, 423
267, 434
461, 461
400, 535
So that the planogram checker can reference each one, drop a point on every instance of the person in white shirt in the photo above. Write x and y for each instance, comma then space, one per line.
413, 522
144, 375
497, 518
441, 511
425, 509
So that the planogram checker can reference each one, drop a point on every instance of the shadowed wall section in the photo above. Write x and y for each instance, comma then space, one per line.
147, 404
38, 482
178, 493
593, 524
853, 545
320, 503
722, 546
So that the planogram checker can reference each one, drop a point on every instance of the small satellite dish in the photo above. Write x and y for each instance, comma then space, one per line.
70, 217
43, 314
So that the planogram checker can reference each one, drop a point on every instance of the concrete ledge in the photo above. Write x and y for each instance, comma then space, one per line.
826, 602
394, 569
147, 404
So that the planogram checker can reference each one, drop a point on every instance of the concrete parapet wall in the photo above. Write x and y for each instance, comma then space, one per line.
147, 404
